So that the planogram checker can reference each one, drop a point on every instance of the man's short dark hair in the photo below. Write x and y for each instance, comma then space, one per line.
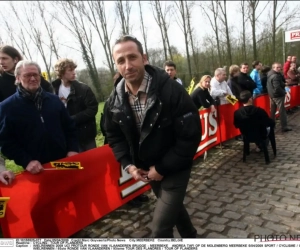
126, 38
244, 63
255, 63
245, 95
169, 64
265, 69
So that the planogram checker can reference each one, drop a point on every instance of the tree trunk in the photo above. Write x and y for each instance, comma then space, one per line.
143, 31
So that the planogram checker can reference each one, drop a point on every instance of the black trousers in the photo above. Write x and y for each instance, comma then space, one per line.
169, 210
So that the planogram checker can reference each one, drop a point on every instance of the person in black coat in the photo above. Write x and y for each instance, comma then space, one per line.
244, 80
264, 78
9, 57
79, 100
201, 96
233, 84
154, 130
251, 120
250, 114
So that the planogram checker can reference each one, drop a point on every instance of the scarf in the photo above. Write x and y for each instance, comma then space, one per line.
35, 97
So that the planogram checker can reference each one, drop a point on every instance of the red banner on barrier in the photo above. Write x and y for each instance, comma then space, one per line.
59, 203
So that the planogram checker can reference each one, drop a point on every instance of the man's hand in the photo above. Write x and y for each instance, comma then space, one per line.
153, 175
34, 167
138, 174
6, 177
71, 153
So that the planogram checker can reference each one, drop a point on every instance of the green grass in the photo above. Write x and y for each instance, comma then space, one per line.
99, 141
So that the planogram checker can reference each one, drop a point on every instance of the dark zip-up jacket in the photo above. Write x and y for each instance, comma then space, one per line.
202, 98
170, 132
27, 134
275, 84
82, 106
245, 82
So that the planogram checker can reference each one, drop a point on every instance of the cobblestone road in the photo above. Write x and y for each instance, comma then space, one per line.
227, 198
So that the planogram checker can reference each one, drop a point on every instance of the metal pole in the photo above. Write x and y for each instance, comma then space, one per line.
219, 127
283, 45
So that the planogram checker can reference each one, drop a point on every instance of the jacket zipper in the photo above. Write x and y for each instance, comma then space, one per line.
157, 115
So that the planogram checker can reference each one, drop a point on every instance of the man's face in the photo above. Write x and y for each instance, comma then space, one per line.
29, 77
69, 75
289, 58
293, 66
221, 77
294, 59
129, 62
258, 67
277, 67
244, 69
171, 71
7, 63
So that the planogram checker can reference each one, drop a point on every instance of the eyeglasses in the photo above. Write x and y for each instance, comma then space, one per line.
28, 76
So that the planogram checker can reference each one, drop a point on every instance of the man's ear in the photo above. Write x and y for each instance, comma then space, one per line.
145, 59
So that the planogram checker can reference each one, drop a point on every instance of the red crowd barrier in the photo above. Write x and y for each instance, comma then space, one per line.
58, 203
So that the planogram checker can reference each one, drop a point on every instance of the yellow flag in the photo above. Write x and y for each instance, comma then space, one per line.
65, 165
3, 202
191, 87
231, 99
45, 75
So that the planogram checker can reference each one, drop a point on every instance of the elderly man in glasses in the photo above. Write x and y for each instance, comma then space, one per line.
35, 127
153, 128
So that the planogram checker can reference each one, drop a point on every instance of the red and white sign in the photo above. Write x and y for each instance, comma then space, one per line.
292, 36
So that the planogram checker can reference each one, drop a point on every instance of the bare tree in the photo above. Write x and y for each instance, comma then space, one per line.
17, 37
183, 24
35, 32
97, 17
189, 6
244, 51
160, 15
123, 13
213, 7
49, 28
77, 26
277, 12
142, 26
253, 16
223, 18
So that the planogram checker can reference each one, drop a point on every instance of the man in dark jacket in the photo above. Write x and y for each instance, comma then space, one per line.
35, 127
80, 102
244, 80
250, 115
276, 91
154, 130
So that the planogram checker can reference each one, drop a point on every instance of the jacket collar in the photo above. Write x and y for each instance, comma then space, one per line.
118, 95
56, 83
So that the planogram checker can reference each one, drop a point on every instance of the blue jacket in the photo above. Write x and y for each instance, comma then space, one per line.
27, 134
256, 78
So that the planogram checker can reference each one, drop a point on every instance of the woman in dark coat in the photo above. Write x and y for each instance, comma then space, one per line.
201, 96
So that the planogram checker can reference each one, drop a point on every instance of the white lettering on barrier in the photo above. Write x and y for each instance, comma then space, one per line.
125, 177
133, 188
287, 101
210, 129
